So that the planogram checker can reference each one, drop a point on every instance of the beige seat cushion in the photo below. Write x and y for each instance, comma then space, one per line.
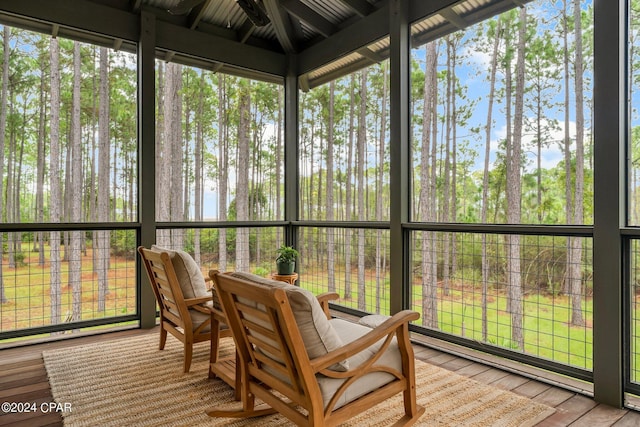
190, 278
348, 332
317, 332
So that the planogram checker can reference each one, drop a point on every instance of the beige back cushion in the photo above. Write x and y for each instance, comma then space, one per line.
191, 282
317, 332
188, 272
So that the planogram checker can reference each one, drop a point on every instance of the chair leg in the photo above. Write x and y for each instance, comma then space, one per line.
412, 410
188, 354
247, 407
215, 341
238, 388
163, 336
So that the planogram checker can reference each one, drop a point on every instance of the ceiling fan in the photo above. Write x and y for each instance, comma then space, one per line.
252, 9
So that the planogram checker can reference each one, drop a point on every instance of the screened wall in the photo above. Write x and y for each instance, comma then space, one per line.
479, 177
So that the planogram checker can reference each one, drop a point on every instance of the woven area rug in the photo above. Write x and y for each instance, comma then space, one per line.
129, 382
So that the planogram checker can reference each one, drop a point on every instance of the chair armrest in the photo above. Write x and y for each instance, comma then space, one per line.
324, 299
385, 330
196, 303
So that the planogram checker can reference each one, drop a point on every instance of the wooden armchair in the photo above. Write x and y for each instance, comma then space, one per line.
294, 357
186, 309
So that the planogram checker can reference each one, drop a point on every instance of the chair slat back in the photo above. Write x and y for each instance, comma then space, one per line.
267, 337
166, 287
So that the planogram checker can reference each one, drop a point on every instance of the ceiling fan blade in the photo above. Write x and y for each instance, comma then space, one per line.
184, 6
254, 12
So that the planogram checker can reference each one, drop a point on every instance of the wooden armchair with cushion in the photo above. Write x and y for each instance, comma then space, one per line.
313, 370
185, 304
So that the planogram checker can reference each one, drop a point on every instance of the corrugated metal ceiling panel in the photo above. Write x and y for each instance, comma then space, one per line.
227, 14
470, 6
161, 4
331, 10
353, 58
427, 24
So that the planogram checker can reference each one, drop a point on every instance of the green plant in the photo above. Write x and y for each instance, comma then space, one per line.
286, 254
261, 271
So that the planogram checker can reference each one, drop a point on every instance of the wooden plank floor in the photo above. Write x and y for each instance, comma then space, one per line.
23, 379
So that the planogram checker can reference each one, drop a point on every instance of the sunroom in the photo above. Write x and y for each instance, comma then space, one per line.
472, 160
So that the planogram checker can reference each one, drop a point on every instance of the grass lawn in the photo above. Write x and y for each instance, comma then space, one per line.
548, 333
27, 289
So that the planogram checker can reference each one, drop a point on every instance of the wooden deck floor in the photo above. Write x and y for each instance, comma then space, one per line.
23, 379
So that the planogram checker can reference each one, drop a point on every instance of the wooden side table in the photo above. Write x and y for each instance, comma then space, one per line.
289, 278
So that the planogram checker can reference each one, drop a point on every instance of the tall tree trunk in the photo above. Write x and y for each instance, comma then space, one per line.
567, 143
54, 183
92, 202
446, 255
176, 147
40, 168
279, 180
162, 156
361, 151
382, 143
427, 190
67, 188
514, 190
3, 125
11, 180
485, 176
186, 163
223, 167
104, 160
331, 267
242, 187
76, 237
16, 204
198, 166
348, 196
454, 161
575, 263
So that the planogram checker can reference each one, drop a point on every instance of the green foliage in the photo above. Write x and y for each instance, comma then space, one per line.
19, 258
286, 254
261, 271
123, 243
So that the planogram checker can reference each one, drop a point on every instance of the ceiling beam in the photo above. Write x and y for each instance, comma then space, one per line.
196, 43
281, 25
361, 33
81, 14
338, 72
136, 5
369, 54
303, 82
361, 7
245, 30
454, 18
310, 16
195, 16
420, 9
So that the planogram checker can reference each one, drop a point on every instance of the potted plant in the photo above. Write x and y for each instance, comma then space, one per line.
286, 260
